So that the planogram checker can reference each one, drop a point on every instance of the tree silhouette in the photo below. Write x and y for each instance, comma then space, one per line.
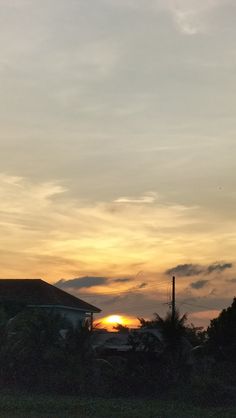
173, 329
34, 346
175, 360
123, 329
222, 333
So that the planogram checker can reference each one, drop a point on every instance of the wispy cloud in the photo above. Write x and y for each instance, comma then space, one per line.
81, 282
149, 197
190, 16
123, 280
187, 270
218, 267
199, 284
142, 285
186, 22
43, 222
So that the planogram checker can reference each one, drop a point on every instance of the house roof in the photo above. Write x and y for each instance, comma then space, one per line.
38, 292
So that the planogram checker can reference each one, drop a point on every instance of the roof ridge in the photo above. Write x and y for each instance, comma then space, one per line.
40, 292
72, 296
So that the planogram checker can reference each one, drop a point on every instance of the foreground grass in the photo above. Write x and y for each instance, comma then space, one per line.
37, 406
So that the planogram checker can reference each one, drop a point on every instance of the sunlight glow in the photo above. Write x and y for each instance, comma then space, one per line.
114, 319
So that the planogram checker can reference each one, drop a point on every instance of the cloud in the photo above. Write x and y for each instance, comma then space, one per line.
142, 285
123, 280
218, 267
149, 197
81, 282
56, 235
199, 284
185, 270
185, 21
41, 222
191, 16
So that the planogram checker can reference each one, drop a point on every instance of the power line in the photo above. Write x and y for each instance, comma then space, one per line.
197, 305
134, 289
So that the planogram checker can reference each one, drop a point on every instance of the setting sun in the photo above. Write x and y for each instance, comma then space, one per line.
110, 321
114, 319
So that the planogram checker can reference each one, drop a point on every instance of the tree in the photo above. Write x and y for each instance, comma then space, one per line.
171, 329
79, 354
123, 329
197, 336
222, 334
176, 358
34, 347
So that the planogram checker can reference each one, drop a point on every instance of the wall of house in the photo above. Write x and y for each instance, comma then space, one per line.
74, 316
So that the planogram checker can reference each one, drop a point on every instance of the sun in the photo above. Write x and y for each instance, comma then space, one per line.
110, 321
114, 319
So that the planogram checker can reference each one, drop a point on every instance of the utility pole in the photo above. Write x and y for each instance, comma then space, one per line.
173, 300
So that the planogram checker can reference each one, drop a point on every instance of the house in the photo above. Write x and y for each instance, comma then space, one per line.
18, 294
140, 340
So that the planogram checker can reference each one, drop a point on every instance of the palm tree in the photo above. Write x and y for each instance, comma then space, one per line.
172, 328
176, 354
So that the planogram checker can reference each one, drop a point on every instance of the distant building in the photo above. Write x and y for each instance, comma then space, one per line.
120, 342
18, 294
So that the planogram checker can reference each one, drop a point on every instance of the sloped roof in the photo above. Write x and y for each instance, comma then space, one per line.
38, 292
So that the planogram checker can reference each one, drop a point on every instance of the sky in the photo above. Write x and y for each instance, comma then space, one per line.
117, 151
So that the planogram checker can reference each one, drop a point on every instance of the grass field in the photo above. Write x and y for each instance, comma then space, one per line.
26, 406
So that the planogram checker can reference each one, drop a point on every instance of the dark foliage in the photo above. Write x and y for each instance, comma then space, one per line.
41, 351
172, 328
222, 334
121, 328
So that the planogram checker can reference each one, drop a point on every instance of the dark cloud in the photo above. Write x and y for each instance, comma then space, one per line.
123, 280
81, 282
188, 270
218, 267
142, 285
199, 284
185, 270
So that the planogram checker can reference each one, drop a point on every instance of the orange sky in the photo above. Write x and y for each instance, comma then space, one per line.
117, 150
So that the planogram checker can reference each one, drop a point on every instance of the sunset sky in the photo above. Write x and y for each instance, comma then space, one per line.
117, 150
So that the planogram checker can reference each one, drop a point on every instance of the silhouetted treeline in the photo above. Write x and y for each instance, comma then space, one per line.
42, 352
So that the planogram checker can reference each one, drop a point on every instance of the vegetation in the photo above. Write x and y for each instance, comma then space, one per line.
222, 334
121, 328
40, 353
41, 406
